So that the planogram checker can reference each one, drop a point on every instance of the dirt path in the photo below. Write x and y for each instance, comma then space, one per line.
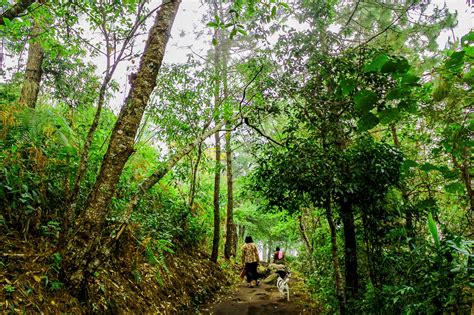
264, 299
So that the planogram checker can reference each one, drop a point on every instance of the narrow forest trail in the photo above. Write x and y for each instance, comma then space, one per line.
263, 299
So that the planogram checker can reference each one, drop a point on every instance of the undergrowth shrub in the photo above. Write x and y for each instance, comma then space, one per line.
36, 150
425, 280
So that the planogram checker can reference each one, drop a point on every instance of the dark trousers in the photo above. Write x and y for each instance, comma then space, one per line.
251, 271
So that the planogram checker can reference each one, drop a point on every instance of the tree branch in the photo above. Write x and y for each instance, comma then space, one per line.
15, 10
246, 120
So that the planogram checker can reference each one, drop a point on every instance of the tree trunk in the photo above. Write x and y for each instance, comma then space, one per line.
230, 239
82, 249
111, 66
304, 236
465, 169
33, 73
192, 188
72, 198
217, 181
408, 210
393, 128
371, 264
217, 170
341, 296
350, 250
270, 250
18, 8
146, 185
241, 232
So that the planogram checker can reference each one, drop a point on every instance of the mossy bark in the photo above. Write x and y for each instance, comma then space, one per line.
34, 71
83, 249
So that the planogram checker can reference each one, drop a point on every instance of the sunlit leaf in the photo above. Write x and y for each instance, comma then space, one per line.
376, 64
433, 229
454, 188
467, 39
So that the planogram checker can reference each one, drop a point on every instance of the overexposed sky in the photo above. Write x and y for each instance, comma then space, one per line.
465, 18
189, 21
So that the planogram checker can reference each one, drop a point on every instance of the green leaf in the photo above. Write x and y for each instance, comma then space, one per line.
347, 86
427, 167
7, 22
212, 24
455, 61
394, 94
408, 106
242, 31
467, 39
233, 33
376, 63
410, 79
433, 229
365, 101
367, 122
400, 65
214, 42
469, 51
407, 164
217, 19
454, 188
389, 115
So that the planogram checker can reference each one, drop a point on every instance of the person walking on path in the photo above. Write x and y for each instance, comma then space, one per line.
250, 261
279, 257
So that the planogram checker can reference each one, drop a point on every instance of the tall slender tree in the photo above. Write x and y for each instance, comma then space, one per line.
230, 240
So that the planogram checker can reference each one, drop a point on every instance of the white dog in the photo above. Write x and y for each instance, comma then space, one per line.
282, 283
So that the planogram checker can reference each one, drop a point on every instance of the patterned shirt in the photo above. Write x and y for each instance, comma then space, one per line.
249, 253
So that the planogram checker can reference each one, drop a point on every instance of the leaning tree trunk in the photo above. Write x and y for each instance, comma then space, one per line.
83, 247
192, 187
147, 184
33, 72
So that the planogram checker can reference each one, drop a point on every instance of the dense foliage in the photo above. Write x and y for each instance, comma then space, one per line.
342, 133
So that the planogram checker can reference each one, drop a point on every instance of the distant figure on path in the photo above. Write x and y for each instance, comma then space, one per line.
250, 261
279, 257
